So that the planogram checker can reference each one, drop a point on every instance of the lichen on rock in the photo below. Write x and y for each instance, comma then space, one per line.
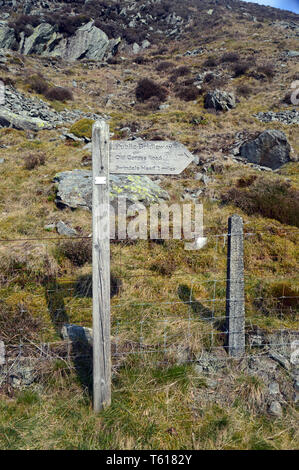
74, 189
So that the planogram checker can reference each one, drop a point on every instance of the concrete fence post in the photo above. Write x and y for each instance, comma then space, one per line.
235, 300
2, 354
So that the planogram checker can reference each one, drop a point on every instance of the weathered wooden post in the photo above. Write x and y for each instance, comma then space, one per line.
101, 267
145, 158
235, 301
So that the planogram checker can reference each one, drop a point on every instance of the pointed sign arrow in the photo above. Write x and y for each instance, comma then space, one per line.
148, 157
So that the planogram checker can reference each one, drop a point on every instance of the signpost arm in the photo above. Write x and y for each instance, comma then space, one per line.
101, 267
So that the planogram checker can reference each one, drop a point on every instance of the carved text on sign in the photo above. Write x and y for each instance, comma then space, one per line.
152, 158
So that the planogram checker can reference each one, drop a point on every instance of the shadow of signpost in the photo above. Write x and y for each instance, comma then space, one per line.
81, 350
55, 294
185, 294
218, 323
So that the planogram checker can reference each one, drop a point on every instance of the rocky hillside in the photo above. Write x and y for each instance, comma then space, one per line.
93, 29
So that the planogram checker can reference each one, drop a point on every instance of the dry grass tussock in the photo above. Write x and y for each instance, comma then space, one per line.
271, 198
24, 262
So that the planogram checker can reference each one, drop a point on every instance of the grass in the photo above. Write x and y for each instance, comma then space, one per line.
250, 390
152, 408
82, 128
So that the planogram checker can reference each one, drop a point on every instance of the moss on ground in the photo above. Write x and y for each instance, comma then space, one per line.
82, 128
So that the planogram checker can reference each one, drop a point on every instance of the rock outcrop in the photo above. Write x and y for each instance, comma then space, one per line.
286, 117
136, 22
219, 100
35, 44
22, 112
7, 36
74, 189
89, 42
270, 149
22, 122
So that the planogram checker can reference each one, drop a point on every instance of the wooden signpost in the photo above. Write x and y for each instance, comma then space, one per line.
118, 157
148, 158
101, 267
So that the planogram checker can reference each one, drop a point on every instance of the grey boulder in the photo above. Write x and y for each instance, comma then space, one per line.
22, 122
74, 189
135, 48
275, 409
7, 36
35, 43
77, 333
89, 42
270, 149
219, 100
293, 53
64, 229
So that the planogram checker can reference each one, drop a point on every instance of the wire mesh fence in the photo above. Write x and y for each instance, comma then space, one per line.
167, 305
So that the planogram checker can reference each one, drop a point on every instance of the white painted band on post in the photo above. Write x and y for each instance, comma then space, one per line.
100, 180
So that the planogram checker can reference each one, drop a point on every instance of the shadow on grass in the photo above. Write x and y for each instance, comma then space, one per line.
56, 292
185, 294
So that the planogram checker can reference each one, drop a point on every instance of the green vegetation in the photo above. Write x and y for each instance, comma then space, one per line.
271, 198
152, 408
37, 83
147, 89
77, 251
82, 128
57, 93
